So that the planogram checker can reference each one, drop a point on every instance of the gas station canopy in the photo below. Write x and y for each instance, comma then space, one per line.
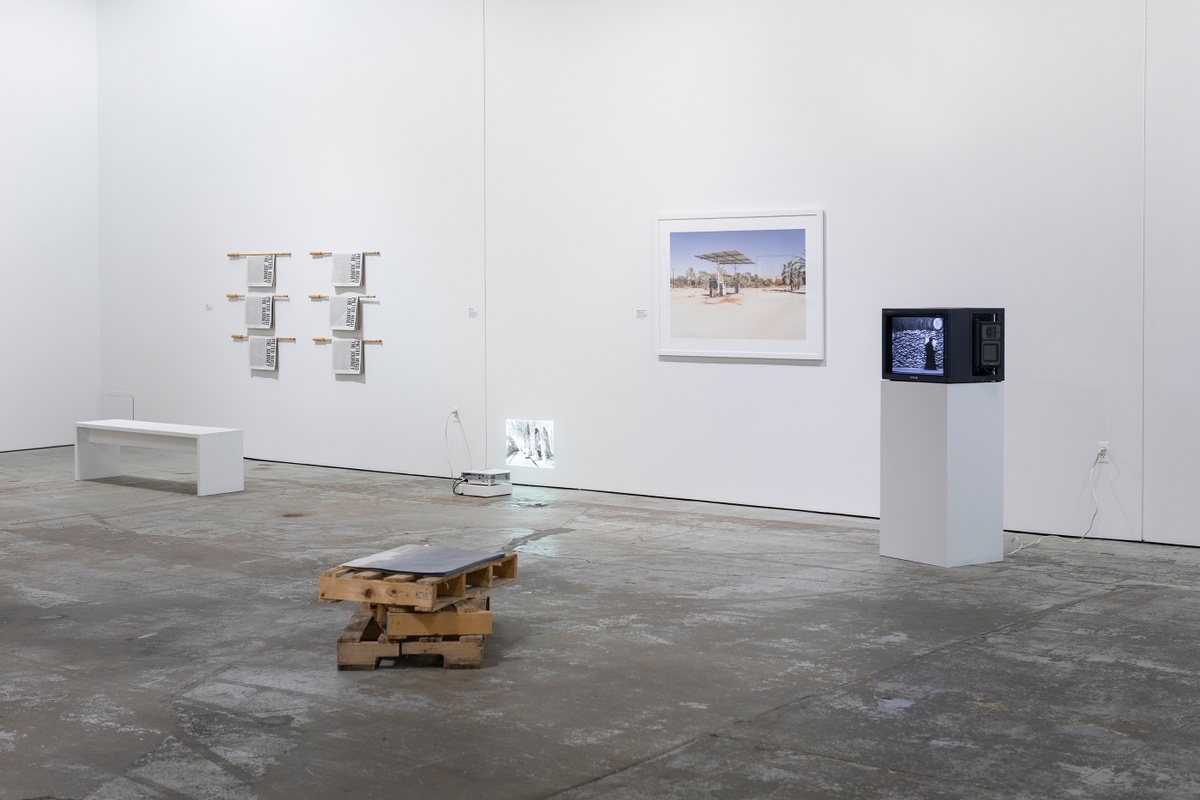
726, 257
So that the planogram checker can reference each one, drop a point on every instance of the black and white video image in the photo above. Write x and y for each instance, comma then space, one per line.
918, 345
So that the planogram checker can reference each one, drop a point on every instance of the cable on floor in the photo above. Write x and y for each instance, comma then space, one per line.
1091, 522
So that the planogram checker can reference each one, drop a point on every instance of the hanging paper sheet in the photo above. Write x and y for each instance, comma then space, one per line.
343, 313
259, 311
262, 352
260, 270
347, 269
347, 356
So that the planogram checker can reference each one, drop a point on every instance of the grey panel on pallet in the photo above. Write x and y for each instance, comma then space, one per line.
424, 559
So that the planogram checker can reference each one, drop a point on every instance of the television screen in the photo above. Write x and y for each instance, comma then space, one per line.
943, 345
919, 345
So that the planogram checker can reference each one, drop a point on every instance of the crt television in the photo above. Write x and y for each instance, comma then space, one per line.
943, 345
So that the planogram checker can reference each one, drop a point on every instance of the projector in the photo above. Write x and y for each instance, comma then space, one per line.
485, 482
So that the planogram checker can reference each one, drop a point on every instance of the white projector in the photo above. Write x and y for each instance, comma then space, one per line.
485, 482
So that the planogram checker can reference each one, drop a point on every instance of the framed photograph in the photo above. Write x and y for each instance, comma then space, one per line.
745, 287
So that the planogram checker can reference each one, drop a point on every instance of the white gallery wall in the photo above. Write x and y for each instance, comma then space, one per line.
50, 360
984, 154
510, 160
1172, 362
277, 126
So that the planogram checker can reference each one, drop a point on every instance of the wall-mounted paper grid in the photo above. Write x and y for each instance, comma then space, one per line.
347, 269
262, 352
343, 313
260, 270
347, 356
259, 311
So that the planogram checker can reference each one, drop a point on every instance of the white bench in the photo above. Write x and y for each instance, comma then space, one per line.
218, 450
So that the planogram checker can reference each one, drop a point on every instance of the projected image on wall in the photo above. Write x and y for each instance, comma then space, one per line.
529, 443
738, 284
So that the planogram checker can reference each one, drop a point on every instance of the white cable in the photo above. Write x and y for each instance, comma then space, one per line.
1095, 499
1095, 511
446, 438
1023, 546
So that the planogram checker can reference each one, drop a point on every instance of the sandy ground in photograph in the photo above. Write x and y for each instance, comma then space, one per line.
750, 314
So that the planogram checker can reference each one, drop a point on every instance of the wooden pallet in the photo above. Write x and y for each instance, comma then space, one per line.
414, 592
363, 644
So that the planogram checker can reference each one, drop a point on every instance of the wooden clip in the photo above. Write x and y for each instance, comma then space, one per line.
238, 336
322, 339
318, 297
232, 296
372, 341
244, 255
285, 338
320, 253
366, 297
280, 296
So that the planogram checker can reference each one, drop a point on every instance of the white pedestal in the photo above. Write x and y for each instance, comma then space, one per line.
942, 473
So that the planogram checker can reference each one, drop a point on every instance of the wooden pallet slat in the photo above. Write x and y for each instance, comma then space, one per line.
456, 654
365, 655
447, 586
481, 576
332, 585
469, 605
505, 569
424, 594
358, 647
360, 620
438, 623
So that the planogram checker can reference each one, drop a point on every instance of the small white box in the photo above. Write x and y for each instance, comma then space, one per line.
480, 490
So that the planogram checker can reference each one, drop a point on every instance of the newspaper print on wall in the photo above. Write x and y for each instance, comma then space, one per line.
347, 356
259, 311
263, 350
347, 269
343, 313
260, 270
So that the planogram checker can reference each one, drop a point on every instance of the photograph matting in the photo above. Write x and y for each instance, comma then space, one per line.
742, 287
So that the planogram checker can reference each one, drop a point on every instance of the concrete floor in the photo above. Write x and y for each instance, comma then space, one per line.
161, 645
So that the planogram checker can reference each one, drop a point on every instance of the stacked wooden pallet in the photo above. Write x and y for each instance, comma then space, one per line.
416, 615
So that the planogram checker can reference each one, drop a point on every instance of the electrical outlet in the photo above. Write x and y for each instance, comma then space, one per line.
1102, 454
454, 411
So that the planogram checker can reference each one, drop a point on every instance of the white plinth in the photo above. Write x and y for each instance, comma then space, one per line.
942, 473
218, 451
485, 490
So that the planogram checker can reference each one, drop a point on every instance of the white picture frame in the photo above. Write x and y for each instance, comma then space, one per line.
742, 287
